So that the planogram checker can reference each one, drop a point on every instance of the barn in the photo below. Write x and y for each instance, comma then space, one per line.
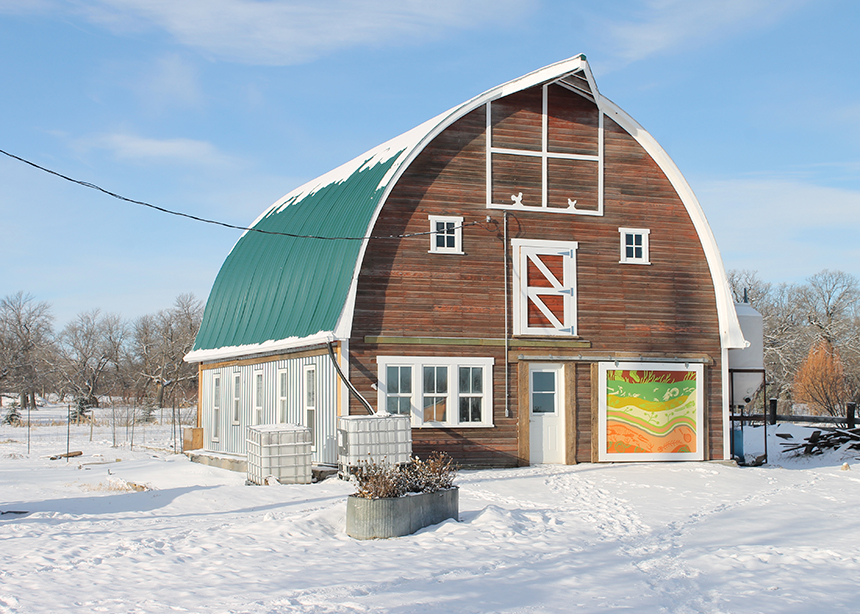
528, 276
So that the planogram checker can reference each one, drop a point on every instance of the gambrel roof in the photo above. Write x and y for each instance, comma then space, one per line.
277, 292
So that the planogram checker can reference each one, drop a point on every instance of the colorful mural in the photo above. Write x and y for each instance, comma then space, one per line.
650, 412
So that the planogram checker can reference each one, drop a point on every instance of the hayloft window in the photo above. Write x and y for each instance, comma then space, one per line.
437, 391
446, 235
634, 245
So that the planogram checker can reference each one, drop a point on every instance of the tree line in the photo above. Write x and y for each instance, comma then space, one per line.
96, 355
811, 338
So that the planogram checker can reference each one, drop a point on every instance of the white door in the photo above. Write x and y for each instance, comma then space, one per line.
546, 414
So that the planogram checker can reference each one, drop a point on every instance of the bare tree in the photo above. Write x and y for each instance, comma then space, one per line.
161, 341
87, 347
828, 301
25, 338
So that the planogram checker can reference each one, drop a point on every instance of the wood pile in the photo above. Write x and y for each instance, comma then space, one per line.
824, 439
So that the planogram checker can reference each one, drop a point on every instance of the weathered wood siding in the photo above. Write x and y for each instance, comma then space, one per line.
403, 291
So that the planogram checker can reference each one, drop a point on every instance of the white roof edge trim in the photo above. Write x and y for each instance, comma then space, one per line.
244, 351
730, 329
431, 129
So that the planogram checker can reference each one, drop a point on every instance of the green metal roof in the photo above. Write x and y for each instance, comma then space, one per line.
273, 287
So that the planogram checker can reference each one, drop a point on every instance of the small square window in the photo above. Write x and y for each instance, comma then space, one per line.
634, 246
446, 235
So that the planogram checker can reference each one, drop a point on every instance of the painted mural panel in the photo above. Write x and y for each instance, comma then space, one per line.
651, 411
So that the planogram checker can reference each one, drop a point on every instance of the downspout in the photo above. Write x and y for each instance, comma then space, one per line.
507, 327
348, 383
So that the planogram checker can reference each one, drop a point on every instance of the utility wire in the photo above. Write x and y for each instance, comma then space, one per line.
93, 186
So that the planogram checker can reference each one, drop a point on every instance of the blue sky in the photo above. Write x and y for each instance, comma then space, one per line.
219, 107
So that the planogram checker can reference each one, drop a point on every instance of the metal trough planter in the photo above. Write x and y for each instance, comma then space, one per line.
398, 516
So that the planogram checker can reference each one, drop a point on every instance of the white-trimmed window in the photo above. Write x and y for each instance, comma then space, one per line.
216, 407
282, 396
398, 399
259, 393
544, 287
634, 245
437, 391
310, 404
237, 398
447, 235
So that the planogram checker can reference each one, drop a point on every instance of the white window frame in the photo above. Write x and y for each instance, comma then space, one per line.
417, 364
457, 234
259, 394
309, 401
400, 394
216, 407
283, 395
237, 398
646, 251
523, 249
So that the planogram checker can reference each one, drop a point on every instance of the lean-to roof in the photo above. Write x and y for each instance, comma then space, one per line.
277, 292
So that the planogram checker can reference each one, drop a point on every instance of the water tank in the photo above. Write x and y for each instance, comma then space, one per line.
378, 438
282, 451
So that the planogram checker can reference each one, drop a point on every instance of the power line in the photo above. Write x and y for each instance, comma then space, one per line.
93, 186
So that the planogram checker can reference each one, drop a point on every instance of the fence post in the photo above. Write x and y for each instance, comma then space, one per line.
772, 412
851, 410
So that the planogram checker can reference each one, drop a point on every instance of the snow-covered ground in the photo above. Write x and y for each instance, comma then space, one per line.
674, 537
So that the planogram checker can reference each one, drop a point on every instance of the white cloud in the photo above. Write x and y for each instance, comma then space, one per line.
261, 32
666, 25
142, 149
784, 228
170, 82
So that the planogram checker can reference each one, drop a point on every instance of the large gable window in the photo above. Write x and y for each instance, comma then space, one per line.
437, 391
544, 287
544, 150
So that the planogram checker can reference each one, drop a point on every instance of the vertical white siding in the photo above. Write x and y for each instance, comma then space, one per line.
232, 436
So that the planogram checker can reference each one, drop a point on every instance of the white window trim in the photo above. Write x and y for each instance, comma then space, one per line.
545, 156
283, 397
216, 407
646, 251
458, 234
237, 396
306, 406
521, 251
417, 363
257, 410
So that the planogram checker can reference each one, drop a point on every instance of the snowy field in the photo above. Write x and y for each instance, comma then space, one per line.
680, 537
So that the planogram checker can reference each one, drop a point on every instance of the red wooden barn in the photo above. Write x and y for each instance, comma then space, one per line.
528, 276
